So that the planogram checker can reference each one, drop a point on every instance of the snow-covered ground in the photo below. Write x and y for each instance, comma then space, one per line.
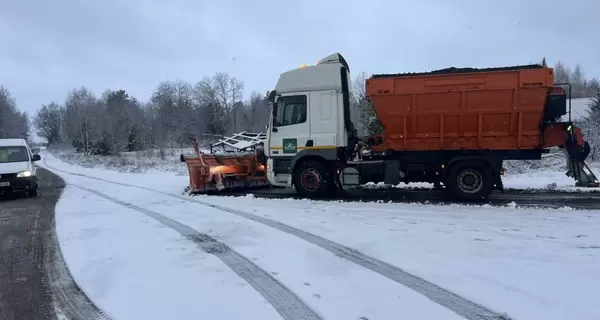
137, 247
579, 109
549, 179
134, 162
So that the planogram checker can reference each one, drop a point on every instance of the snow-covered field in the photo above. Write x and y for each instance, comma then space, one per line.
142, 250
579, 109
134, 162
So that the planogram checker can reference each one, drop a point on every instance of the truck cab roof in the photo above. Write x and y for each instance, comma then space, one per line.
325, 75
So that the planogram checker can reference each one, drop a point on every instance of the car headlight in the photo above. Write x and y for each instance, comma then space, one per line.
24, 174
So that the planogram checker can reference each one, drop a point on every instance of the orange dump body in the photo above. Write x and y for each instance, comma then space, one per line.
210, 172
495, 109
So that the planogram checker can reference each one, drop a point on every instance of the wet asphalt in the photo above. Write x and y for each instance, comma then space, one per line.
33, 276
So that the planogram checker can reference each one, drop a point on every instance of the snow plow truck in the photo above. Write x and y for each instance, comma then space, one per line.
452, 127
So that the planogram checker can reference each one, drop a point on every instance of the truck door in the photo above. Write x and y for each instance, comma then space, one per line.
324, 118
290, 128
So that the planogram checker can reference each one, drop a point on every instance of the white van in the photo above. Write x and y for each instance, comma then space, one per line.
17, 171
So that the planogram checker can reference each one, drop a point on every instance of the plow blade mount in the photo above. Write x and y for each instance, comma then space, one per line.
211, 173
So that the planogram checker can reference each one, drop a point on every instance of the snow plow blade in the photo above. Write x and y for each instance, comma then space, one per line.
213, 173
240, 168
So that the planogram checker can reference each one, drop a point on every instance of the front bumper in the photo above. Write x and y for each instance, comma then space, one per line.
10, 183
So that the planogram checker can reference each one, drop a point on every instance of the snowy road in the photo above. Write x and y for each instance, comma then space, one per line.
140, 250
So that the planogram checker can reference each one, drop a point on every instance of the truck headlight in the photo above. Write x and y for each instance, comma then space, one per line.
24, 174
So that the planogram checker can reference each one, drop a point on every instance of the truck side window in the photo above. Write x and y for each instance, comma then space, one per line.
291, 110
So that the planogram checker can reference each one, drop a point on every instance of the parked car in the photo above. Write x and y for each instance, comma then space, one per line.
17, 170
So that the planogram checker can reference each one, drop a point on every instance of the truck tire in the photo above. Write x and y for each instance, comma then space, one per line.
470, 181
313, 179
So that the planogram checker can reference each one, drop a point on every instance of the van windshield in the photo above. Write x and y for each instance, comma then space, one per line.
13, 154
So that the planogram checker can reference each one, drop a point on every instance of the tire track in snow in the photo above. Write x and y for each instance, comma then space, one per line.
285, 302
450, 300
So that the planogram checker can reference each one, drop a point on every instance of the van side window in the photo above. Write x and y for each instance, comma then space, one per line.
291, 110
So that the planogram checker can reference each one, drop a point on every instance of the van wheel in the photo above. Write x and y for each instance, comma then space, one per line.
470, 181
313, 179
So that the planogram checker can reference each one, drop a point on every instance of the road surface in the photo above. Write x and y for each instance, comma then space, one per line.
34, 281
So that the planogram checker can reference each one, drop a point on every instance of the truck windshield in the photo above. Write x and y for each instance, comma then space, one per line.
13, 154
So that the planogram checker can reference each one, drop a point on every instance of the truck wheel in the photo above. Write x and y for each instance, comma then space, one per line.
313, 179
470, 181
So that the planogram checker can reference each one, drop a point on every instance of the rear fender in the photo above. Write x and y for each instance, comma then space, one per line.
485, 160
326, 156
565, 135
559, 134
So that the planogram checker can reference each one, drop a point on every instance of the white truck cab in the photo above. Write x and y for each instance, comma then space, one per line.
18, 172
310, 125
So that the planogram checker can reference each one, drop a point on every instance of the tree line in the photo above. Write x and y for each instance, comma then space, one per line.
13, 123
590, 127
581, 86
178, 111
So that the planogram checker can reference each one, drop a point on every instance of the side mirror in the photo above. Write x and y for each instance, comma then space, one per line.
272, 96
274, 116
36, 157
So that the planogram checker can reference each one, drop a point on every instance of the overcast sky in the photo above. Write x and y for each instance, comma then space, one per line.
48, 48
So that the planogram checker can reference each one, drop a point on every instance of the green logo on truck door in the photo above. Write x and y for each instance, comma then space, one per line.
290, 145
